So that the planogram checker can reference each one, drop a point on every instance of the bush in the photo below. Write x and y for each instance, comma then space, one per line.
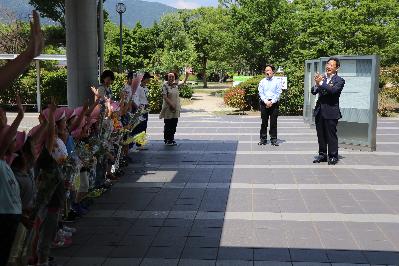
235, 97
118, 85
52, 84
291, 100
388, 101
155, 95
186, 91
387, 106
389, 75
250, 87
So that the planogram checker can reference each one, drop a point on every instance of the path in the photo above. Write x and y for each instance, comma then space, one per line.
205, 102
219, 199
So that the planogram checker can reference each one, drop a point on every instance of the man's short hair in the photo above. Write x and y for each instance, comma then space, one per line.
337, 62
271, 66
130, 75
107, 73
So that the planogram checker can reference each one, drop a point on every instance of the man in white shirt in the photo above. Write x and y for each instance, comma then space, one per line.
142, 100
269, 90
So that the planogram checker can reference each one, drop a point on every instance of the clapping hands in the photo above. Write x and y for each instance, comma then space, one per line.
318, 78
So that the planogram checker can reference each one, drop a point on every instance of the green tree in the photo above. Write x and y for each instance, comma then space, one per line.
209, 30
178, 49
53, 9
262, 31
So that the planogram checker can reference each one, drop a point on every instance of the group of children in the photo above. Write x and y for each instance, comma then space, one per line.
71, 154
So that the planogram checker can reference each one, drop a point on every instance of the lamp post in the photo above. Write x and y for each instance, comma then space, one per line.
120, 8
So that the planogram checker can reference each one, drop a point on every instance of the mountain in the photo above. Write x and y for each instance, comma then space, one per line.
136, 11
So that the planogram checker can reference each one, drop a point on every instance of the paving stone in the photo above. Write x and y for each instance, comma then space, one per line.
220, 199
308, 255
193, 262
346, 256
199, 253
235, 253
272, 254
80, 261
234, 263
272, 263
157, 262
121, 262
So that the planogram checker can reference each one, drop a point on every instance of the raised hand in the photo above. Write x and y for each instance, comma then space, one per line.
188, 70
36, 42
318, 78
52, 105
21, 109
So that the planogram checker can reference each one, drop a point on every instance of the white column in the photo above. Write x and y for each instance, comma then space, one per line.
81, 39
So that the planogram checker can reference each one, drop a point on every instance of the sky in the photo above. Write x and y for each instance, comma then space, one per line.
188, 4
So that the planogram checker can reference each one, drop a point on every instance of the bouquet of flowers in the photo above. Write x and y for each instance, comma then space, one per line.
85, 153
99, 146
136, 118
48, 182
141, 139
71, 167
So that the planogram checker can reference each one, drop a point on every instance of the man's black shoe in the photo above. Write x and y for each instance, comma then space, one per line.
274, 143
320, 159
332, 161
262, 142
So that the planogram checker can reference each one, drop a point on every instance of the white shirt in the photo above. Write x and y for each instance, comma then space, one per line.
10, 200
328, 78
142, 95
127, 89
270, 88
59, 152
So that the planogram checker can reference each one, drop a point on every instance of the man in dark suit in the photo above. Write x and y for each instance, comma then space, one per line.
327, 113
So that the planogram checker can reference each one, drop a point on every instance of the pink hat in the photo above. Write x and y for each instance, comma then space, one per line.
78, 110
38, 142
76, 133
59, 114
33, 130
92, 121
96, 112
69, 112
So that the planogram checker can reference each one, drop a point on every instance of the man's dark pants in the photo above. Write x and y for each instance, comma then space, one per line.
327, 136
271, 112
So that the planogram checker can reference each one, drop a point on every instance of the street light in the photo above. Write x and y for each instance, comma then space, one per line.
120, 8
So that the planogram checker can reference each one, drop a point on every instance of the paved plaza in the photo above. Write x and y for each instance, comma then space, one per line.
220, 199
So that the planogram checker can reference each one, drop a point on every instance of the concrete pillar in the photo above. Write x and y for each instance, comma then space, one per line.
81, 40
101, 35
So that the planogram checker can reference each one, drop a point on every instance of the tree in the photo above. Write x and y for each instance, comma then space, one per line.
14, 34
178, 49
262, 31
53, 9
209, 30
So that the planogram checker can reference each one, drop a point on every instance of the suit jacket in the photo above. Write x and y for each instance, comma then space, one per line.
328, 102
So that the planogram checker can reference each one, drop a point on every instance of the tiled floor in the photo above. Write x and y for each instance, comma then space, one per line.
220, 199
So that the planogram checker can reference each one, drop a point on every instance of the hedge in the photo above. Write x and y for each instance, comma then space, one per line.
52, 84
291, 100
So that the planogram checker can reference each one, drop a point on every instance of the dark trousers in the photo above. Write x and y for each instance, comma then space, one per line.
9, 224
327, 136
170, 129
140, 127
271, 112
